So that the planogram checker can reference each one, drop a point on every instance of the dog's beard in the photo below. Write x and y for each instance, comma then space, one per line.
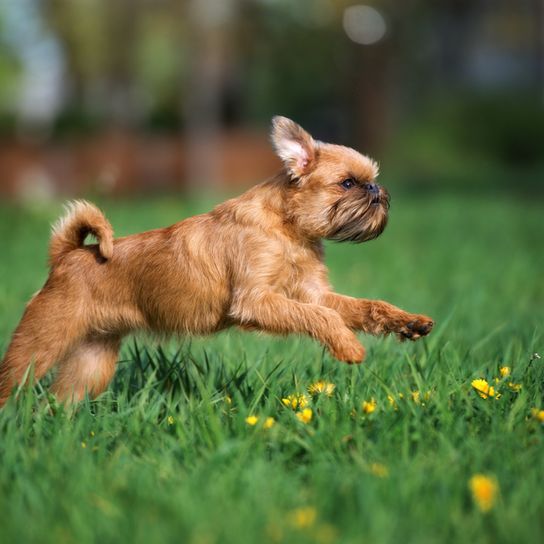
357, 218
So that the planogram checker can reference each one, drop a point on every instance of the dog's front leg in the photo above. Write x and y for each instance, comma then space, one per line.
275, 313
378, 317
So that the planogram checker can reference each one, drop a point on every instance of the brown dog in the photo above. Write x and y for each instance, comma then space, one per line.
255, 261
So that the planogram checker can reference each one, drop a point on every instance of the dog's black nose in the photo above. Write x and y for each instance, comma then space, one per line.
372, 188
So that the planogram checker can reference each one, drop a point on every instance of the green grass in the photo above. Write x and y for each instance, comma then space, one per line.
163, 456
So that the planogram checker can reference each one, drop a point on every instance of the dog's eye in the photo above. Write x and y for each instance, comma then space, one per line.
348, 183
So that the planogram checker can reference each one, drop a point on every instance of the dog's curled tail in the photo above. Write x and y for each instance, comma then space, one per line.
69, 232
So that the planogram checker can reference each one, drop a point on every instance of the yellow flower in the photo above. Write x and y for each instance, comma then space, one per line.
515, 387
170, 420
305, 416
228, 399
504, 371
379, 470
369, 406
274, 532
416, 397
325, 533
392, 400
484, 389
252, 420
302, 518
484, 491
321, 387
538, 414
295, 401
269, 422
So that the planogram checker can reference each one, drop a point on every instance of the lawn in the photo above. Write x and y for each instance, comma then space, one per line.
166, 454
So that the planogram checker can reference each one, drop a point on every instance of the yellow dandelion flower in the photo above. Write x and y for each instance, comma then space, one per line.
484, 491
269, 422
538, 414
484, 389
252, 420
515, 387
170, 420
302, 518
504, 371
295, 401
393, 402
325, 533
369, 406
305, 415
322, 387
416, 396
274, 532
379, 470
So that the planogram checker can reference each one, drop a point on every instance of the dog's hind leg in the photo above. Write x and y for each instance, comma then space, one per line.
47, 331
87, 368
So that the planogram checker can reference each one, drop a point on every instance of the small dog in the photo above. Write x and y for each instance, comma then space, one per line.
255, 261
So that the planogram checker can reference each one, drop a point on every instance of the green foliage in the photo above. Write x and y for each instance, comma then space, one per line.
165, 455
480, 141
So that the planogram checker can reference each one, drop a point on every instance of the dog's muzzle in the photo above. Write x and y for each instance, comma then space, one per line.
373, 190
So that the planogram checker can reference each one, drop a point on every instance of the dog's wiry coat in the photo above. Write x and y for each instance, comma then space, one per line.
255, 261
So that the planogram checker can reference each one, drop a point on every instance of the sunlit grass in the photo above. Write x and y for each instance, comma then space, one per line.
167, 454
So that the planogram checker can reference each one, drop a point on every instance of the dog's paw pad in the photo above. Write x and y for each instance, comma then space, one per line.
416, 328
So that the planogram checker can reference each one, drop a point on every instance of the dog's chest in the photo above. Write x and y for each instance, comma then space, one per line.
299, 272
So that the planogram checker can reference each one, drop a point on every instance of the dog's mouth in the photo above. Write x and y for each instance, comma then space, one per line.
382, 197
357, 220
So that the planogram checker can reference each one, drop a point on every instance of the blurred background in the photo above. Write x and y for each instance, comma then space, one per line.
131, 97
158, 109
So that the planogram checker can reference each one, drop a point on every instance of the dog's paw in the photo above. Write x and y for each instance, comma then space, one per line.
351, 353
414, 327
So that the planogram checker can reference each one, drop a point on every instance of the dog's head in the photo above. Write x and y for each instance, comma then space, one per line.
332, 192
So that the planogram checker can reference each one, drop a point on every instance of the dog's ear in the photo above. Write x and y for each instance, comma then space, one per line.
294, 146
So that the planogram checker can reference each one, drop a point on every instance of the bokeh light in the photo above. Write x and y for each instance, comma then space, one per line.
364, 24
